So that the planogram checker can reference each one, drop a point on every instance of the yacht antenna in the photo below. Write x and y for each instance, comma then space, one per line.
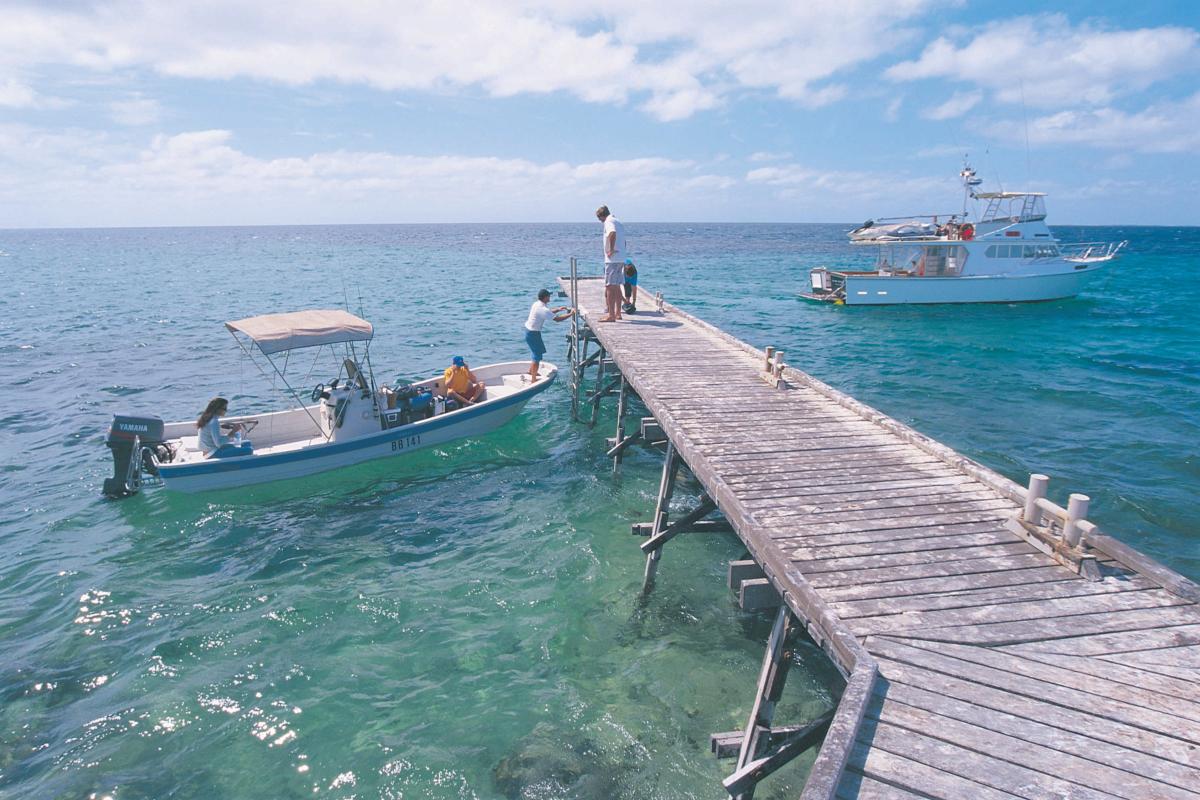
987, 155
1025, 118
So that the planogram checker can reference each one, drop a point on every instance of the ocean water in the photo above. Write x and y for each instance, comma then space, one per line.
465, 623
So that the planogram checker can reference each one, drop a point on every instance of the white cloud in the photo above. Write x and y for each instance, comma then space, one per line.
1162, 128
135, 111
763, 156
673, 58
202, 177
958, 104
798, 180
1044, 61
942, 151
892, 112
14, 94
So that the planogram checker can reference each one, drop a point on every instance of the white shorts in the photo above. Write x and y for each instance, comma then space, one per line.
614, 273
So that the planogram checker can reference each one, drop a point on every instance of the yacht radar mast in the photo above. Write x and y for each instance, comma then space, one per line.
970, 181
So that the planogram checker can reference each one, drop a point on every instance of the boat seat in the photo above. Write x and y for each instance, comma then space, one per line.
354, 373
189, 443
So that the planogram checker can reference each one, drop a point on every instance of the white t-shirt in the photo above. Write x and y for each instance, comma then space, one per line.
611, 224
539, 315
210, 436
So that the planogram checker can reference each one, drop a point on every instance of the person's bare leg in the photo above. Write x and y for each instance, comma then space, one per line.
477, 392
533, 370
608, 305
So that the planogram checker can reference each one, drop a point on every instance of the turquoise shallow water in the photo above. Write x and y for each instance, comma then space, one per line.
465, 624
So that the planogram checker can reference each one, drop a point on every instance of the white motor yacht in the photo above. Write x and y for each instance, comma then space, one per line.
1005, 254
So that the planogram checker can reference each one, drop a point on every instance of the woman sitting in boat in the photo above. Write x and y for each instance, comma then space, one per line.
215, 444
461, 384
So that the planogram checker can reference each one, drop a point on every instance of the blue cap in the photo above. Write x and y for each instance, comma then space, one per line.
459, 361
629, 261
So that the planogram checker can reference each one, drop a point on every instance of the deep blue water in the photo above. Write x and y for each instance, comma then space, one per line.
465, 624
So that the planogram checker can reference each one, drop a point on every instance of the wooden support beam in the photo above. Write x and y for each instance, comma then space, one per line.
607, 390
743, 571
661, 537
771, 678
651, 431
622, 402
595, 398
699, 526
742, 782
757, 594
617, 447
666, 488
726, 745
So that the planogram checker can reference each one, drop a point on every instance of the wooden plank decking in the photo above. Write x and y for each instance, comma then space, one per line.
978, 666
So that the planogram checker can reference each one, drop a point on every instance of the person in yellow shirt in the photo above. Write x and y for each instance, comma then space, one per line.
461, 384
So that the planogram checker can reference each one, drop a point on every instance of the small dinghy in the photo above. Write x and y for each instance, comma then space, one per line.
345, 422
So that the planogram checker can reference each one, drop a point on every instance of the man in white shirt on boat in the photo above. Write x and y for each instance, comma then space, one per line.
539, 314
614, 263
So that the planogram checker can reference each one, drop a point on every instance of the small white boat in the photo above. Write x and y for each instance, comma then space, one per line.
1006, 254
347, 421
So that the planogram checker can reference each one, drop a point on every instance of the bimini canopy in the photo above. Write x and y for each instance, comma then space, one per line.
274, 333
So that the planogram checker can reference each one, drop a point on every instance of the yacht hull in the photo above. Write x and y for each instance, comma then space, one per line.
878, 290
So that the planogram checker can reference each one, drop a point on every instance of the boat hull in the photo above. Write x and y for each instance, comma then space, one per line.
226, 473
899, 290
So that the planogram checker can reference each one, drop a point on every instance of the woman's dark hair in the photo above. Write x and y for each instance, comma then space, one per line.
216, 404
544, 294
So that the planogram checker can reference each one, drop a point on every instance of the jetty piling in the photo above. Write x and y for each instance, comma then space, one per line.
993, 643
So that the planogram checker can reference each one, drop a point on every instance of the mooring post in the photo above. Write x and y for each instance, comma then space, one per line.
770, 352
666, 488
622, 400
1037, 490
1077, 509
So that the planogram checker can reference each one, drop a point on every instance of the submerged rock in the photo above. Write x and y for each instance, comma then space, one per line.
552, 763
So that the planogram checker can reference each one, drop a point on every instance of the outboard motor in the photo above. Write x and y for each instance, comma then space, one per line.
128, 437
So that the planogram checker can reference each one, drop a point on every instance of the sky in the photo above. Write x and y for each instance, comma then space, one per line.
129, 113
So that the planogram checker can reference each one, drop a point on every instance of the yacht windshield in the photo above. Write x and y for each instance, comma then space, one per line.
932, 261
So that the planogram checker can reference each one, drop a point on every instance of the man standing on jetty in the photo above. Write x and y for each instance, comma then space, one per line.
614, 263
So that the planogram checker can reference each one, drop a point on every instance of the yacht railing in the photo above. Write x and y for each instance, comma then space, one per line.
1091, 251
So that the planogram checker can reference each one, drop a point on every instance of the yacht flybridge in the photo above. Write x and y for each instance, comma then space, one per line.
1006, 254
349, 420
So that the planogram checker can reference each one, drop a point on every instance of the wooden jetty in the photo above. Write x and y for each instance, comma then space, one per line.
994, 644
